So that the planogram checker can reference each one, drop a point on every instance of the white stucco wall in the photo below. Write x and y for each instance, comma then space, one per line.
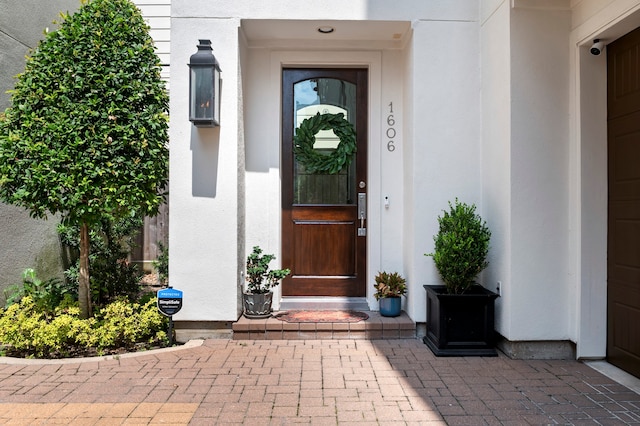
387, 173
409, 263
525, 68
445, 129
544, 165
204, 179
242, 207
539, 175
496, 102
496, 152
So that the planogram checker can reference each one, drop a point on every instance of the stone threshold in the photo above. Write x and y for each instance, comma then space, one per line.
374, 328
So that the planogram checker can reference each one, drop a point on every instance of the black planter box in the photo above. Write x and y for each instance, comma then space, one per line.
460, 324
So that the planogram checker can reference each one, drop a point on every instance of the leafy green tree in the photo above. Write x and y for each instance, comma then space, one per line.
86, 135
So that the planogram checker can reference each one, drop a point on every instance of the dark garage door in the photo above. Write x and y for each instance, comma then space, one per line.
623, 262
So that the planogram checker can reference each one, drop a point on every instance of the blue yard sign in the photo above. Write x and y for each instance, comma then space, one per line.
169, 301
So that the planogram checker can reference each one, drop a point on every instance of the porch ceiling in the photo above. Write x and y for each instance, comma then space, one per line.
274, 33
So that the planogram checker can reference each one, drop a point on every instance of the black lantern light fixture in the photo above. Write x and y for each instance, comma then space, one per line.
204, 87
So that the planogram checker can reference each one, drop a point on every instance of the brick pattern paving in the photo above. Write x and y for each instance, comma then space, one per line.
373, 328
271, 382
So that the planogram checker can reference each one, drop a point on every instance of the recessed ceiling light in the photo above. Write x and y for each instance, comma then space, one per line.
326, 30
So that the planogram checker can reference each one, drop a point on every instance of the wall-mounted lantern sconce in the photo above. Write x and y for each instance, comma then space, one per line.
204, 87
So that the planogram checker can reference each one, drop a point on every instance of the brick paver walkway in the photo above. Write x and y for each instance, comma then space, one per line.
310, 382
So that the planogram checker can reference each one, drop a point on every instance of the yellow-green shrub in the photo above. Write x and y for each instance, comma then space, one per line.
26, 329
123, 323
18, 323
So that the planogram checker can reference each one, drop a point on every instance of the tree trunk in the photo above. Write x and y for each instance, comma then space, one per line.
84, 291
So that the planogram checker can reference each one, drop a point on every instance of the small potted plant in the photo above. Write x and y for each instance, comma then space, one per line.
258, 297
460, 313
389, 289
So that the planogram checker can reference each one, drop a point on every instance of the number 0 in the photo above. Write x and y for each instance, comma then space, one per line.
391, 133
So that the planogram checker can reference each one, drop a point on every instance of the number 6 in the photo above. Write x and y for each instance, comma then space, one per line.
390, 120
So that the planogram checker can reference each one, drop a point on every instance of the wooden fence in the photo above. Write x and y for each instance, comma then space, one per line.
155, 230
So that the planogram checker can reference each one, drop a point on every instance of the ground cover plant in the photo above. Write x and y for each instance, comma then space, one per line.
28, 330
42, 318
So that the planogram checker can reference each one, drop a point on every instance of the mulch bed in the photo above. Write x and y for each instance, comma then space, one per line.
82, 352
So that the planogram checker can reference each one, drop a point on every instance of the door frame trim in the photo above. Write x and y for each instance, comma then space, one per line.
336, 59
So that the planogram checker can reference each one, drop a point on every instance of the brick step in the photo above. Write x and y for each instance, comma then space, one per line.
374, 328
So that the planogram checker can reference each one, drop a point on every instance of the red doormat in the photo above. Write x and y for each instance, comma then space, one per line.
321, 316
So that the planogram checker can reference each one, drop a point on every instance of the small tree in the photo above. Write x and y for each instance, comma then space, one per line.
86, 135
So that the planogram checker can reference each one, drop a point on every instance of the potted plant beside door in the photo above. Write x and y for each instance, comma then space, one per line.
258, 297
390, 287
460, 313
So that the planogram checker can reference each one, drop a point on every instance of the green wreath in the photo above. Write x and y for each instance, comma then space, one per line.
312, 159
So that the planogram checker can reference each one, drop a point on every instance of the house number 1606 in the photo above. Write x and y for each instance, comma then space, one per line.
391, 131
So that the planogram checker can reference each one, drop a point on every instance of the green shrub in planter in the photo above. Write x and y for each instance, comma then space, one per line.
461, 246
260, 279
389, 288
389, 284
258, 297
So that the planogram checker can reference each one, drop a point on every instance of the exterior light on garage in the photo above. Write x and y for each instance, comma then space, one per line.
204, 87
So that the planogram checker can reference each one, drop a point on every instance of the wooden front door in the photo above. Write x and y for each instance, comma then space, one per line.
324, 221
623, 262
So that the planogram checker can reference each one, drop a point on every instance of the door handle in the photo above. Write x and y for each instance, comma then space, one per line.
362, 213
